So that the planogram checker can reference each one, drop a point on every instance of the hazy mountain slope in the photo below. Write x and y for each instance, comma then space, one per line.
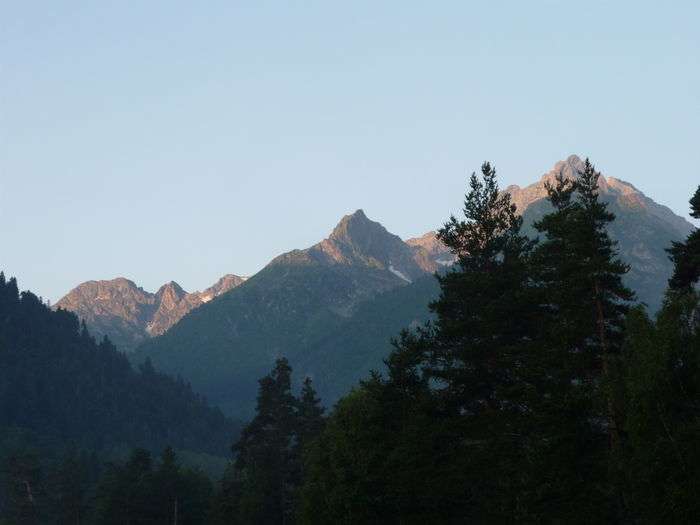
643, 228
289, 308
128, 315
347, 353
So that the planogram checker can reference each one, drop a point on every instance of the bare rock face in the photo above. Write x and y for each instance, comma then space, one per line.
223, 285
430, 253
642, 227
359, 242
129, 315
173, 303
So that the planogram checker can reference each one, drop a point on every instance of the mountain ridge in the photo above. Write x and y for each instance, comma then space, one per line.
332, 308
128, 314
610, 188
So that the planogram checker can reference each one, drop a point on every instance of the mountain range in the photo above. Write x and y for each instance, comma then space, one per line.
128, 314
332, 308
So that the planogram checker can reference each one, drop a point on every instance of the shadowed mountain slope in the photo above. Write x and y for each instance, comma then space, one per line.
298, 306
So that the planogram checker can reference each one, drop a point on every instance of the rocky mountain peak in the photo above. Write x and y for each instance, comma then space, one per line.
430, 253
128, 314
170, 291
612, 190
357, 240
357, 228
223, 285
568, 169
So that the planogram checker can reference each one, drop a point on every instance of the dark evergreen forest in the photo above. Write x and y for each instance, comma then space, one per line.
542, 392
68, 402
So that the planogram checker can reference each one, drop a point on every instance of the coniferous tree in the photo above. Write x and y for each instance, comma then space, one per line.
168, 488
58, 381
487, 323
68, 487
264, 453
309, 415
686, 255
584, 303
661, 381
262, 484
123, 496
139, 493
451, 404
661, 458
481, 315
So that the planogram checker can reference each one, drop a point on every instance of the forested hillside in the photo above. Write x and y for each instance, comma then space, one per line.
303, 305
58, 381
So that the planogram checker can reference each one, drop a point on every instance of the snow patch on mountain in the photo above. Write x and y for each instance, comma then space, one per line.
398, 274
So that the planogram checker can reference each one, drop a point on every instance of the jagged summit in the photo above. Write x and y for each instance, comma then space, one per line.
612, 190
430, 253
128, 314
353, 226
643, 228
524, 197
361, 242
171, 290
223, 285
361, 232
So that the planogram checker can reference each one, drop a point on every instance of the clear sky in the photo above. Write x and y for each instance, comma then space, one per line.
175, 140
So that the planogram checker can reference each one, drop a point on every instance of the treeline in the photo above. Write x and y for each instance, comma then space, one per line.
46, 486
68, 404
541, 393
56, 380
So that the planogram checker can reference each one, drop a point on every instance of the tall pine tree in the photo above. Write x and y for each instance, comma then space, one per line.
583, 303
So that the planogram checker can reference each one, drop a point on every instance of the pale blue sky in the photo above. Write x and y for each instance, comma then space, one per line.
184, 140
